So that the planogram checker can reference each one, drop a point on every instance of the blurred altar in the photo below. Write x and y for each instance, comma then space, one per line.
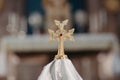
24, 45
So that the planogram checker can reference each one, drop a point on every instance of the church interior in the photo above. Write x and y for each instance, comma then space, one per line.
24, 40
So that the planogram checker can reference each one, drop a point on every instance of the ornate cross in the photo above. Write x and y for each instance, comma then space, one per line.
61, 35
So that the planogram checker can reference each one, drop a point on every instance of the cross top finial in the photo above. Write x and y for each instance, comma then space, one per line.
61, 25
61, 34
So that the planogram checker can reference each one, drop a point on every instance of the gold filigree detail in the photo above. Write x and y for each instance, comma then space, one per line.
61, 35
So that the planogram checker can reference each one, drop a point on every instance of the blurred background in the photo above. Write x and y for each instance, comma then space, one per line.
24, 46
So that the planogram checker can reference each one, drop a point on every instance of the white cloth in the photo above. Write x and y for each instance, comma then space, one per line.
3, 64
61, 69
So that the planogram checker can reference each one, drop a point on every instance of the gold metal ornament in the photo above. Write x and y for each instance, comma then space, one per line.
61, 35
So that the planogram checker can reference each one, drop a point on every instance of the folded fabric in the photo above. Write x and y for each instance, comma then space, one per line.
60, 69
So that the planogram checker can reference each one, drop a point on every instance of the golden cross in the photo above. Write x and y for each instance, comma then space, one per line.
61, 35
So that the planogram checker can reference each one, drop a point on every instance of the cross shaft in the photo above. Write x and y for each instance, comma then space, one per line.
61, 34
